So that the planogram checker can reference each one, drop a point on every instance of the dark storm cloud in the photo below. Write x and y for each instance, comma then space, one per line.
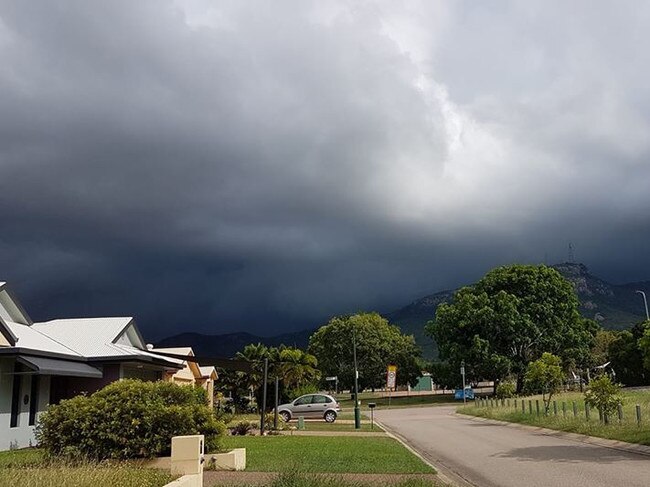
240, 165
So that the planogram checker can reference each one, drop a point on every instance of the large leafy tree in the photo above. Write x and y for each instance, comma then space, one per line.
627, 356
510, 318
378, 345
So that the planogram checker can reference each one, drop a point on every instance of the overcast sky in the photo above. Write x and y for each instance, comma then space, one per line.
222, 166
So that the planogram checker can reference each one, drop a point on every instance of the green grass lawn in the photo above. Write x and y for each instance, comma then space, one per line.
300, 479
395, 402
25, 457
28, 467
337, 426
626, 430
327, 454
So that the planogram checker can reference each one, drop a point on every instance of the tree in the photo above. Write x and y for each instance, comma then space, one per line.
626, 357
604, 395
378, 345
508, 319
545, 375
644, 345
295, 368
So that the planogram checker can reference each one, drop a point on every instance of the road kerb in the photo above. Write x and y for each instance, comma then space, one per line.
577, 437
445, 474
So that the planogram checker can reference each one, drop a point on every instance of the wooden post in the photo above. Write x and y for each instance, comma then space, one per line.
555, 408
575, 409
620, 413
564, 408
530, 406
537, 406
638, 415
587, 410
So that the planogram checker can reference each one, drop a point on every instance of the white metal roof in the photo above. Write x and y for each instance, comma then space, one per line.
30, 337
94, 337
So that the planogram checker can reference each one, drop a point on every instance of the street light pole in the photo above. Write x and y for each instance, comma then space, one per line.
357, 412
645, 302
462, 372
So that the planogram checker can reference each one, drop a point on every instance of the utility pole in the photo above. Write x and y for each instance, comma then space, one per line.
645, 301
357, 412
266, 373
277, 400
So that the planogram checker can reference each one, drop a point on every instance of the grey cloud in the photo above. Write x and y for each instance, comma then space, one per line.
242, 165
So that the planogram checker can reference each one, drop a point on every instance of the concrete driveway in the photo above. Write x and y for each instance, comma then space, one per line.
472, 452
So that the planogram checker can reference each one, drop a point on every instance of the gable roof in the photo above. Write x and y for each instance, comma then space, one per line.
96, 338
208, 372
6, 332
31, 338
10, 307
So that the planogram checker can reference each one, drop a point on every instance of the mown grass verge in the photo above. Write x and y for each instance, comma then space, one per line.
327, 454
29, 467
301, 479
626, 430
395, 402
92, 475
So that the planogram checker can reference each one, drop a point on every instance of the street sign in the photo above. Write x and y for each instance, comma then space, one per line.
391, 377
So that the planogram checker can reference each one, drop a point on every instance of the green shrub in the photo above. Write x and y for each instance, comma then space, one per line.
269, 422
505, 390
604, 395
242, 428
128, 419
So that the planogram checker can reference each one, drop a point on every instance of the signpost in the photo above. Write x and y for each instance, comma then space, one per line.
335, 379
391, 380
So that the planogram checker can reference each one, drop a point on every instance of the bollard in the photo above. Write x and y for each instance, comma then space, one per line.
638, 415
523, 407
537, 406
587, 411
530, 406
564, 408
515, 403
575, 409
555, 408
508, 402
301, 422
503, 402
620, 413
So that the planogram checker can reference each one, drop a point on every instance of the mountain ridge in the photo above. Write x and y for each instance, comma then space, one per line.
614, 306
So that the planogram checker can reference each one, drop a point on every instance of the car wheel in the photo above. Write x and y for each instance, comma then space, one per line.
330, 416
286, 417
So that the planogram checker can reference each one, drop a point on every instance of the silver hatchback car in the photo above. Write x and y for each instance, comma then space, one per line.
311, 406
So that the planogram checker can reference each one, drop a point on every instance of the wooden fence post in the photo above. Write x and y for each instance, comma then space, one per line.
638, 415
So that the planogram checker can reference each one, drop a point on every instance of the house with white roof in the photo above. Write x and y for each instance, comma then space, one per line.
191, 373
43, 363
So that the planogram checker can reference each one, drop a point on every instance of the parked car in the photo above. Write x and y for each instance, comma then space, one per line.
311, 406
469, 393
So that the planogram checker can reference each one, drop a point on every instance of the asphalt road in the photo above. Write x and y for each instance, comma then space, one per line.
476, 453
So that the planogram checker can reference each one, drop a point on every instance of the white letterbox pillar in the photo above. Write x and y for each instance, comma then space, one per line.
187, 455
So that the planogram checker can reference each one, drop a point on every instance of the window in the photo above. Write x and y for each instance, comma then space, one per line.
321, 399
301, 401
33, 398
15, 398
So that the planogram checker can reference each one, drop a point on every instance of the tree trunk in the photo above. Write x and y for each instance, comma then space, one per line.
520, 383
